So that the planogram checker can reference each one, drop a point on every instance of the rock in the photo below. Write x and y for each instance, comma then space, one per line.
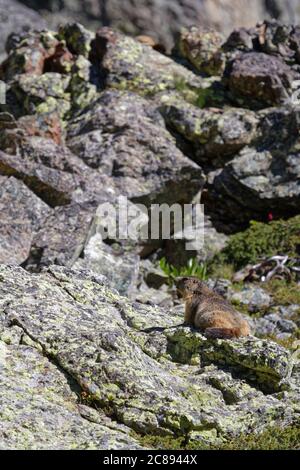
289, 312
47, 125
53, 186
215, 134
182, 248
259, 180
240, 39
202, 49
258, 80
47, 72
253, 297
50, 169
280, 39
221, 286
271, 37
120, 268
43, 94
39, 409
28, 53
117, 56
16, 18
275, 326
77, 38
82, 91
241, 355
153, 275
62, 237
124, 137
149, 296
92, 335
22, 215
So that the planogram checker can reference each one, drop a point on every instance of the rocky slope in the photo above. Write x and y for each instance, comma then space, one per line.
90, 117
163, 19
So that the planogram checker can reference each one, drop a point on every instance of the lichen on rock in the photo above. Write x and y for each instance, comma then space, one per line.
93, 335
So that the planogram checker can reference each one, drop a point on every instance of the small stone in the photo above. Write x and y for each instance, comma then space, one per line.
255, 298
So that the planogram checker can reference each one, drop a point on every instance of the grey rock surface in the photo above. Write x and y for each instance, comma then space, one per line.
22, 215
133, 362
134, 149
39, 409
254, 297
273, 325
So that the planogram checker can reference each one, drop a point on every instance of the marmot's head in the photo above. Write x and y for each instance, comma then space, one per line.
187, 286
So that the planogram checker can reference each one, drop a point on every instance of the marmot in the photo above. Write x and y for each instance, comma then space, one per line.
210, 312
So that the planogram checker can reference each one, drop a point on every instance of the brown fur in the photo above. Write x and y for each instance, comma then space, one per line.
210, 312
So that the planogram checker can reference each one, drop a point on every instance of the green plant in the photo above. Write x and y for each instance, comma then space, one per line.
193, 268
273, 438
261, 241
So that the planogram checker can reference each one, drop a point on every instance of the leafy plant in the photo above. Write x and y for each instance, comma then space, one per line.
193, 268
260, 241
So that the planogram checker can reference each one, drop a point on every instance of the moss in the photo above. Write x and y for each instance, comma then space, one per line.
244, 308
187, 92
260, 241
210, 96
273, 438
159, 442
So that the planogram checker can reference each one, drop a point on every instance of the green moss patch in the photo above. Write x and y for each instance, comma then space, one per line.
273, 438
261, 241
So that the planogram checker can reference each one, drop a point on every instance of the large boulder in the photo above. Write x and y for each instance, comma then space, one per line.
261, 179
22, 215
133, 362
215, 134
62, 237
54, 186
128, 64
256, 79
124, 137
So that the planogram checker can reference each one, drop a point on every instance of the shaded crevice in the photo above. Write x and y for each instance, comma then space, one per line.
228, 396
43, 191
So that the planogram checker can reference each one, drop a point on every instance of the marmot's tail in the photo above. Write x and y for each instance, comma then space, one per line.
224, 333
